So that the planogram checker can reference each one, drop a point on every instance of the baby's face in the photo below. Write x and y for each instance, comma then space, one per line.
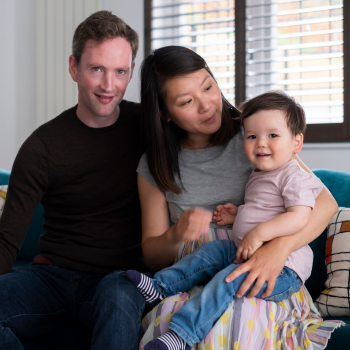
268, 142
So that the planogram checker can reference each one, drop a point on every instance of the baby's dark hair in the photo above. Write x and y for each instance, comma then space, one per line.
272, 100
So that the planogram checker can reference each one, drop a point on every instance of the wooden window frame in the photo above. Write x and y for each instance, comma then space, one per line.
331, 132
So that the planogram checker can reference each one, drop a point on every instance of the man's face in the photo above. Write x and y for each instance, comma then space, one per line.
102, 75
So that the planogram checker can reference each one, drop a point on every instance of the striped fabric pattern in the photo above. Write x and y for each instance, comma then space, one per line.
335, 299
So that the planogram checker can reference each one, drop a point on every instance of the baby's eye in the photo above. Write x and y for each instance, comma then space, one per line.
96, 69
273, 136
252, 137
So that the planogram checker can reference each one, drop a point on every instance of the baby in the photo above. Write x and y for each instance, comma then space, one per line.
278, 200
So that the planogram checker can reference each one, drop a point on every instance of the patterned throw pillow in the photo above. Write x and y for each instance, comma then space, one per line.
335, 300
3, 191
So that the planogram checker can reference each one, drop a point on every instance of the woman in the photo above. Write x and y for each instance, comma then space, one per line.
195, 158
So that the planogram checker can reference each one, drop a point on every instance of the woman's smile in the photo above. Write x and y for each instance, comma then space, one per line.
210, 120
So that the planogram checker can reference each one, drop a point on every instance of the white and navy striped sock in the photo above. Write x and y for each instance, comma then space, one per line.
173, 341
168, 341
144, 285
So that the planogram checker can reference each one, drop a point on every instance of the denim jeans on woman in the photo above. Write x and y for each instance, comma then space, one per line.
213, 261
37, 299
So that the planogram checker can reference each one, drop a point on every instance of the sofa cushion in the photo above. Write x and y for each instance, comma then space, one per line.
335, 299
338, 183
30, 247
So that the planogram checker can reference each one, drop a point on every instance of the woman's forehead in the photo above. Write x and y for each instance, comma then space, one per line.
184, 84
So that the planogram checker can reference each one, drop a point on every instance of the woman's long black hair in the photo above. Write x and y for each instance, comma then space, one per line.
162, 139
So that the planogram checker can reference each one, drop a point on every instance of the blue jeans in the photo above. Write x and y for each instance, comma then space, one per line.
213, 261
40, 298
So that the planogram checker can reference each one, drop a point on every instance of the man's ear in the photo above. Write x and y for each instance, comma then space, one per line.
73, 68
132, 70
298, 143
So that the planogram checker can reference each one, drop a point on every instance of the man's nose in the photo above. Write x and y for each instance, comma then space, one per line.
107, 82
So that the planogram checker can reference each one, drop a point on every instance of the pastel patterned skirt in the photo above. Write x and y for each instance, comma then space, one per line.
247, 324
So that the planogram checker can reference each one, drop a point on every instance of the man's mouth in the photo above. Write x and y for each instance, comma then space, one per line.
104, 98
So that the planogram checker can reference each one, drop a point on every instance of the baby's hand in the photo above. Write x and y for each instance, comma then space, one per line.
225, 214
248, 245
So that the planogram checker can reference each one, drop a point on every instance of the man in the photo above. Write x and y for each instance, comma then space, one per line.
81, 167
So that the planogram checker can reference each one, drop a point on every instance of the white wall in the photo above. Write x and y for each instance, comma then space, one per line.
18, 95
21, 82
334, 156
7, 85
131, 12
17, 83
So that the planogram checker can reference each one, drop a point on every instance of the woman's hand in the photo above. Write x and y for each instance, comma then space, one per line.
191, 224
264, 266
225, 214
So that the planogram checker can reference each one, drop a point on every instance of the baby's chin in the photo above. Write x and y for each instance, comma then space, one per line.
271, 167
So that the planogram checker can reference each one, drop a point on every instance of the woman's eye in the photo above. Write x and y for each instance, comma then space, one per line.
208, 88
251, 137
187, 102
96, 69
273, 136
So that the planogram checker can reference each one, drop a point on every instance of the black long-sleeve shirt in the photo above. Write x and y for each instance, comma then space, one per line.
86, 180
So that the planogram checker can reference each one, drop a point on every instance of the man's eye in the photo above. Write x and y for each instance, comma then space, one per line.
96, 69
121, 71
252, 137
273, 136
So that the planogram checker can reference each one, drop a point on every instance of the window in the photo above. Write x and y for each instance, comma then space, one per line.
206, 26
299, 46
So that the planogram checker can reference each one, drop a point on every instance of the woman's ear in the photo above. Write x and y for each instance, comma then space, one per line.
298, 143
166, 119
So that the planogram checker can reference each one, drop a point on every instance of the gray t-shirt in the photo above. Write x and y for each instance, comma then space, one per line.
210, 176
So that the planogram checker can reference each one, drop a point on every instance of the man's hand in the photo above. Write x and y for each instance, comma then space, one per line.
264, 266
192, 223
248, 246
225, 214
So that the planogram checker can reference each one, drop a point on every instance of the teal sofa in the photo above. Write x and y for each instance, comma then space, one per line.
74, 336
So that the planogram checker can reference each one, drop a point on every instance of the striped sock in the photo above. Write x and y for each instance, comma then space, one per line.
144, 285
168, 341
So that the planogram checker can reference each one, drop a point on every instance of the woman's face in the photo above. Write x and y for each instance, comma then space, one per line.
194, 104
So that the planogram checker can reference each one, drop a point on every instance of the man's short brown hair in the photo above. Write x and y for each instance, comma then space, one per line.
100, 26
272, 100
